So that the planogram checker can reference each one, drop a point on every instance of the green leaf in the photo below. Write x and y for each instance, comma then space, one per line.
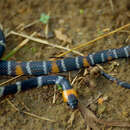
44, 18
59, 87
81, 11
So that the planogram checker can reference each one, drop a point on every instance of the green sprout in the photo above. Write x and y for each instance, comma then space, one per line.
59, 87
44, 18
81, 11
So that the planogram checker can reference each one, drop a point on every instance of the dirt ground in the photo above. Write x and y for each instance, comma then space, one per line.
82, 21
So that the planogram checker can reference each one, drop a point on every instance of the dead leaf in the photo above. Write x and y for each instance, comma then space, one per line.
92, 120
61, 36
89, 117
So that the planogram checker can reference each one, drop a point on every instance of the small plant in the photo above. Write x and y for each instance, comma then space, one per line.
81, 11
59, 87
44, 18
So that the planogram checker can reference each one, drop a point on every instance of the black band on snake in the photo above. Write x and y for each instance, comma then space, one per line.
39, 68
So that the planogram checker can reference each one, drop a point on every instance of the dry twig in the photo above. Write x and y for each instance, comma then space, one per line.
28, 113
43, 42
92, 120
94, 40
10, 80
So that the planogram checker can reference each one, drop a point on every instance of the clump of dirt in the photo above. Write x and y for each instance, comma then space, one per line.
82, 21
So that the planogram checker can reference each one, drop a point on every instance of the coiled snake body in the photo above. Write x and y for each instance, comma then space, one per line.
38, 68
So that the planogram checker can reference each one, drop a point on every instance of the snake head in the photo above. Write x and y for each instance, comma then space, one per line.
70, 97
72, 101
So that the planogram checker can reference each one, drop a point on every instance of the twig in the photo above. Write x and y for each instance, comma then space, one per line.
74, 79
17, 48
91, 119
12, 105
43, 42
28, 109
29, 25
10, 80
94, 40
54, 97
27, 113
38, 117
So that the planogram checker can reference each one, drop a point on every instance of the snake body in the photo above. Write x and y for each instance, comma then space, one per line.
38, 68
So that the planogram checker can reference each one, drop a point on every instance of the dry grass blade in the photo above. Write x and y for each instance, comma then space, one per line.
43, 42
12, 105
10, 80
38, 117
94, 40
24, 42
54, 96
29, 25
28, 113
73, 81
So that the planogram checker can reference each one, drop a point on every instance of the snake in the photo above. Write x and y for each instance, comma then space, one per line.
42, 70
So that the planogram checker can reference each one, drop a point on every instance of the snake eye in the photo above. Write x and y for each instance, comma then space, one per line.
74, 104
